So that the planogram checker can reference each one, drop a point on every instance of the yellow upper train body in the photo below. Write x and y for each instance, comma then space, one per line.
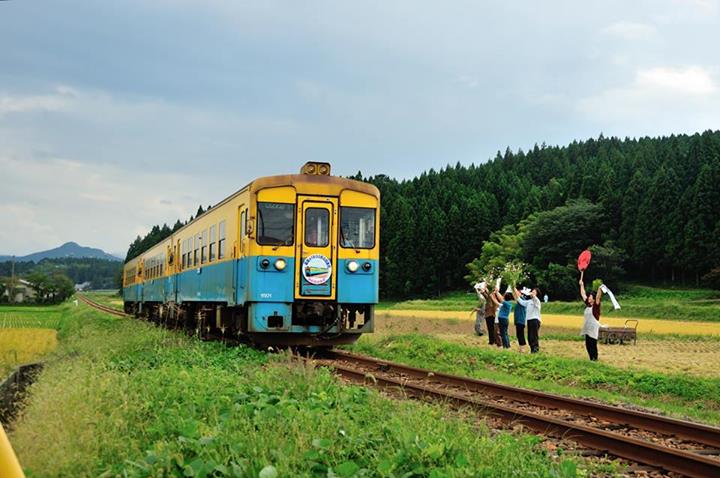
287, 260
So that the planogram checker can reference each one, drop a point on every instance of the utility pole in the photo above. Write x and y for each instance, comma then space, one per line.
11, 295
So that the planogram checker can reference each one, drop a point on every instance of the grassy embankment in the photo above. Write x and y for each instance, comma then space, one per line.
673, 368
673, 394
123, 398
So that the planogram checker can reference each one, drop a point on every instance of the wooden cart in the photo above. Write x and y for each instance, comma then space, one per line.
615, 335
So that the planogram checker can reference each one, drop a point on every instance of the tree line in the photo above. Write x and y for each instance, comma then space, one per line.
50, 288
647, 207
158, 234
651, 203
101, 273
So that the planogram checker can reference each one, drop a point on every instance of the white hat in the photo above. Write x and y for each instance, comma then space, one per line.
525, 291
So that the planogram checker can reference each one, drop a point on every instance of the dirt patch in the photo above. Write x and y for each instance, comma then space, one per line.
387, 324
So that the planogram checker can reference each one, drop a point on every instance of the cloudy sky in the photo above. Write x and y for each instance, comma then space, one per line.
117, 115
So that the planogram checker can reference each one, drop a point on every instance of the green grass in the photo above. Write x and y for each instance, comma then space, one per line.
123, 398
682, 396
636, 301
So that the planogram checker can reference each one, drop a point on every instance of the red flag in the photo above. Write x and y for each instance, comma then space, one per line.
584, 260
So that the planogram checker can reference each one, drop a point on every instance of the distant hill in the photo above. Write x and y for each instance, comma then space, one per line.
67, 250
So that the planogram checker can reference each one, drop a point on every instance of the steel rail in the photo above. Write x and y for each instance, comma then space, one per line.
697, 432
104, 308
679, 461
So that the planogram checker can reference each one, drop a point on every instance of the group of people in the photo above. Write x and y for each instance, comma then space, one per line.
526, 305
497, 311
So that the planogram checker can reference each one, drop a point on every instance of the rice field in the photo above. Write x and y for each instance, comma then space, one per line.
26, 334
16, 317
574, 322
20, 346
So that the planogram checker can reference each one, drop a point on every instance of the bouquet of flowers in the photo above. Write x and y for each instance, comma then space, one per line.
491, 277
514, 273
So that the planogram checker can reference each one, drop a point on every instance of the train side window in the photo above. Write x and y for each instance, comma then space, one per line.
221, 240
196, 252
213, 238
183, 251
203, 247
189, 252
242, 224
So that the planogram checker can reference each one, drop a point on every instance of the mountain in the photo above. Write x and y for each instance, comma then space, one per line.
67, 250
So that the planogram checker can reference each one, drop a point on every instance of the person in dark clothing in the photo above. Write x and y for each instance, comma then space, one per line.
491, 306
504, 318
532, 316
519, 320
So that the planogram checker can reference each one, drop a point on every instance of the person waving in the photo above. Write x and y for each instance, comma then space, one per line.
591, 325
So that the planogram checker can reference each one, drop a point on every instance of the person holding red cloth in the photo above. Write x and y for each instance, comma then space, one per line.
591, 326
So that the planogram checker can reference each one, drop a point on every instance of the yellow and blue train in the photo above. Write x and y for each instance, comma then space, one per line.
286, 260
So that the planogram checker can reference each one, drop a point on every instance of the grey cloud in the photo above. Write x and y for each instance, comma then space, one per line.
212, 94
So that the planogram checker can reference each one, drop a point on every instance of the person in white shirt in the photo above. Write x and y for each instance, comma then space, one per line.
532, 316
591, 325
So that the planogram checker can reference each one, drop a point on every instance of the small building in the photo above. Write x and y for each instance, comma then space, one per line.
21, 292
84, 286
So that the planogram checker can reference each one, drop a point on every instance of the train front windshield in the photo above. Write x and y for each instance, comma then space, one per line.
357, 227
276, 224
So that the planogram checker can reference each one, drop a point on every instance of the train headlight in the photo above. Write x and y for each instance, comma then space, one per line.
352, 266
265, 263
280, 264
367, 266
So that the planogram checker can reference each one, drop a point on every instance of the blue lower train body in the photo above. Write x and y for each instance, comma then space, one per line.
266, 296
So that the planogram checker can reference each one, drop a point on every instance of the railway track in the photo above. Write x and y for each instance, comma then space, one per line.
104, 308
678, 446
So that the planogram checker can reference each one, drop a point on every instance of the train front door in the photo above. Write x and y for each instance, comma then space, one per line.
316, 249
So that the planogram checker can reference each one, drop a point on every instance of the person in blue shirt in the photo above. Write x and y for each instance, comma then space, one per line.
504, 318
520, 322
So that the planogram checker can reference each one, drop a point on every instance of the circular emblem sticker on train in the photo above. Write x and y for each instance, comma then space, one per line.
317, 269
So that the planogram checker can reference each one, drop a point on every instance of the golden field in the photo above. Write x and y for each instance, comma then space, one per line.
18, 346
571, 322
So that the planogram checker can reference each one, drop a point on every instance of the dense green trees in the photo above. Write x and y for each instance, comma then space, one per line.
101, 273
51, 288
647, 206
654, 204
157, 234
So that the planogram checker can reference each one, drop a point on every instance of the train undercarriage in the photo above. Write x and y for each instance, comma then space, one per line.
313, 323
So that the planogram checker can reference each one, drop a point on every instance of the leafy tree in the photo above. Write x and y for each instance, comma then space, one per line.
607, 263
557, 236
53, 288
559, 281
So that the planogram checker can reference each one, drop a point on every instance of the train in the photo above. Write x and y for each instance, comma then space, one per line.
289, 260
